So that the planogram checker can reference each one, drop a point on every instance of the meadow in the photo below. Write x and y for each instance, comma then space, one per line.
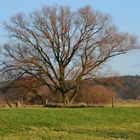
100, 123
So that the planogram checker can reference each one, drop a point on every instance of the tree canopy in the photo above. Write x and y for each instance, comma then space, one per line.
61, 47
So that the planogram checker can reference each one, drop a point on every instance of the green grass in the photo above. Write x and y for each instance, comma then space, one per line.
70, 124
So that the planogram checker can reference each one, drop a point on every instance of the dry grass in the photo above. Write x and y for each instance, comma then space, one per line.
127, 103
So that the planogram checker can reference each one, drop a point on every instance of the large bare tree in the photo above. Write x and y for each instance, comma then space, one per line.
61, 47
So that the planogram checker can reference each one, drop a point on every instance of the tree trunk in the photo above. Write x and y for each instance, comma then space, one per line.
76, 91
66, 100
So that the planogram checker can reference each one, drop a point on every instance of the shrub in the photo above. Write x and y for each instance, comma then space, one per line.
96, 95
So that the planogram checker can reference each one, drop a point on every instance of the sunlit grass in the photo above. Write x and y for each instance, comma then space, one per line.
66, 123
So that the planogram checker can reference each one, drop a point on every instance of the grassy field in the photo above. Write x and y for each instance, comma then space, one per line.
105, 123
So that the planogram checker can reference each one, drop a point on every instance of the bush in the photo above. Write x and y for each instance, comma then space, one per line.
61, 105
2, 101
96, 95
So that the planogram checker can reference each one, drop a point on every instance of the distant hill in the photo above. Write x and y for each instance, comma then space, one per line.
125, 87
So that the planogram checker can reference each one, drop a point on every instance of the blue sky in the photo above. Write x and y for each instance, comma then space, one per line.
125, 15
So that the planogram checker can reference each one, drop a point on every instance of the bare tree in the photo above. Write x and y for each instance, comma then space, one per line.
60, 47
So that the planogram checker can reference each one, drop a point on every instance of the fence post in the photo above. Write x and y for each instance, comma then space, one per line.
112, 102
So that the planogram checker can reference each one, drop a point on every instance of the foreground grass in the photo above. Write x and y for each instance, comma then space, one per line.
70, 124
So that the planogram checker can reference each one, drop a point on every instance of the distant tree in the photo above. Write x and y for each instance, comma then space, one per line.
60, 47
